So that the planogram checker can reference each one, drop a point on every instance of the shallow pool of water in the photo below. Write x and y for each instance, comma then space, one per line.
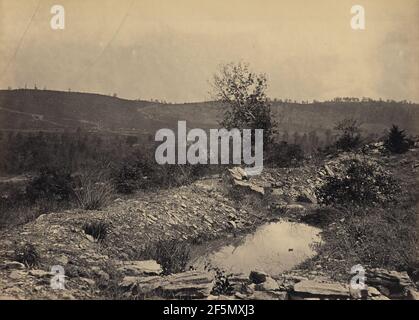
272, 248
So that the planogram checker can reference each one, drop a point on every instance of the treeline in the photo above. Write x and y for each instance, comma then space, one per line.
30, 152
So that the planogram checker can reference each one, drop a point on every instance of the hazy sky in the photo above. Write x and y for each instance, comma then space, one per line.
169, 49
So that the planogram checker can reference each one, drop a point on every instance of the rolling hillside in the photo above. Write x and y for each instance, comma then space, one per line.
34, 110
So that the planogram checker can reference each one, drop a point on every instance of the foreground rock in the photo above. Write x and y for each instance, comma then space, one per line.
185, 285
315, 289
257, 277
392, 284
140, 268
239, 179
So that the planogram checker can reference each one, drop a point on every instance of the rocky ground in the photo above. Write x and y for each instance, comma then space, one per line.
207, 209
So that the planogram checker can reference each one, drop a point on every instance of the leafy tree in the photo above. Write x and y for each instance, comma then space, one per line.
350, 134
245, 94
397, 141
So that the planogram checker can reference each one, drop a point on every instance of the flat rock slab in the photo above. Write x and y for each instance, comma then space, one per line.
249, 186
268, 295
312, 288
140, 268
185, 285
191, 284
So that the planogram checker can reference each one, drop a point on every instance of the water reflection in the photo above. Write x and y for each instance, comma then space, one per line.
273, 248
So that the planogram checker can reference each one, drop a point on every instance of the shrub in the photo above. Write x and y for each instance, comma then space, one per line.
397, 141
322, 216
284, 154
222, 284
52, 184
135, 172
27, 254
360, 182
172, 255
93, 191
140, 171
350, 134
97, 229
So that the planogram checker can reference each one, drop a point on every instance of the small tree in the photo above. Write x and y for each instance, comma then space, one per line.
350, 134
397, 141
245, 94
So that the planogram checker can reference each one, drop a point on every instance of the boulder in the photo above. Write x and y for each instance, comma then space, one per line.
257, 277
392, 284
140, 268
268, 285
239, 179
250, 187
238, 173
312, 288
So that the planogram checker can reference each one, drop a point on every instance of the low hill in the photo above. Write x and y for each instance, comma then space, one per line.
34, 110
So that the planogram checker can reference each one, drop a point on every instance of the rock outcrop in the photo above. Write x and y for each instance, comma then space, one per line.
239, 179
392, 284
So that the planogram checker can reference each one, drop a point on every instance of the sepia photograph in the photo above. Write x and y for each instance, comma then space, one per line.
192, 151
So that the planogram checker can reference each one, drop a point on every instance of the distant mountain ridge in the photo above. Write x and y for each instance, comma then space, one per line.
45, 110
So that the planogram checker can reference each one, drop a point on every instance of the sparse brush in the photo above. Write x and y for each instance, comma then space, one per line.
172, 255
373, 237
93, 191
97, 229
222, 284
27, 254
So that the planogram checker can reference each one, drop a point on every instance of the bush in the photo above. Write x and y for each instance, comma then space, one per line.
222, 284
397, 141
27, 254
93, 191
140, 171
360, 182
97, 229
172, 255
284, 154
52, 184
350, 134
133, 173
